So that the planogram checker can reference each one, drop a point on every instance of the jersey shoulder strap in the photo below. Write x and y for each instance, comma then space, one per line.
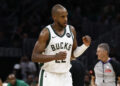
69, 27
51, 32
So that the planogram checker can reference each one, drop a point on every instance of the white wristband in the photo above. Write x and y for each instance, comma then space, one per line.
79, 50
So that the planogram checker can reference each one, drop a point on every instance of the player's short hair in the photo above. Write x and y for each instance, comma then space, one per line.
105, 46
56, 7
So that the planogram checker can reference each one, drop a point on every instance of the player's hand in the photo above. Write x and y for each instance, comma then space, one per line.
86, 40
60, 56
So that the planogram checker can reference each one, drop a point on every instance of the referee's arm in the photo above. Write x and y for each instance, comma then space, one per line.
118, 74
92, 73
118, 82
93, 81
118, 71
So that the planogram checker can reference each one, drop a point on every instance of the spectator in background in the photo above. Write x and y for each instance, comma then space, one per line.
34, 32
17, 71
2, 39
12, 81
32, 81
27, 67
16, 40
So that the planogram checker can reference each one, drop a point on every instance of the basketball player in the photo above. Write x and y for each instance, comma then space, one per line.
106, 70
58, 42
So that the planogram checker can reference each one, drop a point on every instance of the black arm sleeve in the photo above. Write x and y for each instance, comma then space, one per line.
116, 67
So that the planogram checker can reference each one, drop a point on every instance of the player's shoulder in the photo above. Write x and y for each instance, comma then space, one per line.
72, 28
44, 32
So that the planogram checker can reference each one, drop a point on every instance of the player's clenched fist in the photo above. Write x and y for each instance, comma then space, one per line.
86, 40
60, 56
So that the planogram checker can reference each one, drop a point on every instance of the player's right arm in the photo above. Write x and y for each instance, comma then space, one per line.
40, 46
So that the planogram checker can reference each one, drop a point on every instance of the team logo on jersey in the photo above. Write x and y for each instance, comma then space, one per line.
68, 35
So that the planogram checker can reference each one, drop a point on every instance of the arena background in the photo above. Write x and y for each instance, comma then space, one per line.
22, 20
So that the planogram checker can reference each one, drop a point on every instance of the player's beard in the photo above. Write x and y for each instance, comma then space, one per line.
60, 25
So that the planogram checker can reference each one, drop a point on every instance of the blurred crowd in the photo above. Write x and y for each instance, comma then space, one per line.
25, 19
21, 22
24, 70
27, 73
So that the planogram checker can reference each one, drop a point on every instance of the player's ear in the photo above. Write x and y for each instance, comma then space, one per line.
54, 17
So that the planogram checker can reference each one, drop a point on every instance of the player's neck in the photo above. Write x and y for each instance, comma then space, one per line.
57, 27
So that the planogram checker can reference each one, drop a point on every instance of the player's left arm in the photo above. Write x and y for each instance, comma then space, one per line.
78, 50
118, 73
74, 41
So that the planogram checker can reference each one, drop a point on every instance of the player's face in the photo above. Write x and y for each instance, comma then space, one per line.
61, 18
101, 53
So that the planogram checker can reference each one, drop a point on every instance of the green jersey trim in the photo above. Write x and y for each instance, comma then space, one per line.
41, 78
58, 34
71, 32
41, 64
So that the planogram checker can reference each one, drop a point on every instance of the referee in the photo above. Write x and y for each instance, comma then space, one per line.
106, 72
